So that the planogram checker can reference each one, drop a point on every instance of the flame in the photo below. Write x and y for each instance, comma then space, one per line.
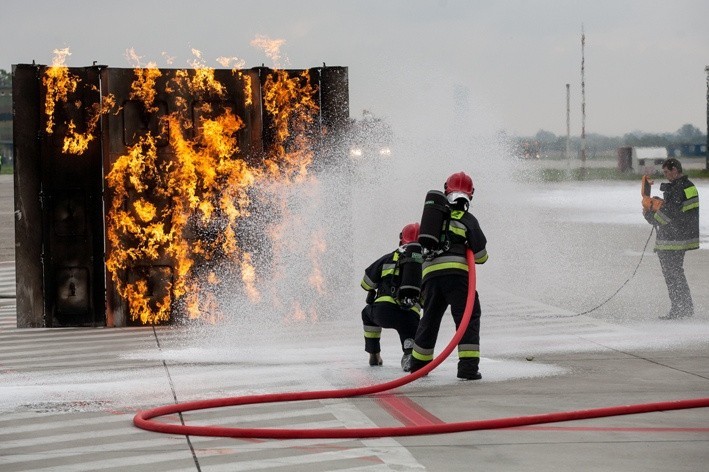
169, 60
203, 81
317, 249
143, 87
236, 65
272, 47
298, 313
204, 187
248, 276
178, 218
77, 143
290, 103
59, 83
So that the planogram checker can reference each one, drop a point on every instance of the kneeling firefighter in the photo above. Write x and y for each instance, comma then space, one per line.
447, 231
393, 301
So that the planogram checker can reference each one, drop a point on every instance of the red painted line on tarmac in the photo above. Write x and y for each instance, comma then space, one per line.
610, 429
408, 412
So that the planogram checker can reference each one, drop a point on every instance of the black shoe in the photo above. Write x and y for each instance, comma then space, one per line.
676, 316
406, 358
375, 359
470, 376
417, 364
406, 362
468, 369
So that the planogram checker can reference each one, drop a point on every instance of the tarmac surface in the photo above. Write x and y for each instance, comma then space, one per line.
68, 395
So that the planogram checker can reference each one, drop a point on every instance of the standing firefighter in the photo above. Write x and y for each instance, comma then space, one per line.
447, 231
676, 218
393, 284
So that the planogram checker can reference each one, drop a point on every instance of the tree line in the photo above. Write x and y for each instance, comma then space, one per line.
548, 142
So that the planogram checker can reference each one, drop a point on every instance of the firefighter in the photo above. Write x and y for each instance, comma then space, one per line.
677, 223
384, 309
445, 281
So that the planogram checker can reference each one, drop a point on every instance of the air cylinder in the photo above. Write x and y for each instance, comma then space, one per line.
435, 213
410, 268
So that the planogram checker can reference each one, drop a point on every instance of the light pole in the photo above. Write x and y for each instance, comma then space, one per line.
583, 102
568, 125
706, 155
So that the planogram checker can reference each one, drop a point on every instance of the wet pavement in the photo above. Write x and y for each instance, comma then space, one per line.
68, 395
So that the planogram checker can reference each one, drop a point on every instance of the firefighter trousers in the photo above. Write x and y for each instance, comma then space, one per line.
387, 315
672, 263
439, 292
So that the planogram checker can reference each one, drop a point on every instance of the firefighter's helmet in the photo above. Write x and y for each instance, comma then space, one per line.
410, 234
459, 185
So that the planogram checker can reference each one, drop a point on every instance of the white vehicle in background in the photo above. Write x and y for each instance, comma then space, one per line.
370, 137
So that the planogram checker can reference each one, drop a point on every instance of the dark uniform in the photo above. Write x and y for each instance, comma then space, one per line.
677, 223
382, 310
444, 283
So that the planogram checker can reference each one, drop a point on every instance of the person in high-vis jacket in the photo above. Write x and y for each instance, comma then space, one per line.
383, 309
677, 224
445, 282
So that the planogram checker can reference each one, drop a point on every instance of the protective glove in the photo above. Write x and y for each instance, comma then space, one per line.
371, 296
407, 302
652, 203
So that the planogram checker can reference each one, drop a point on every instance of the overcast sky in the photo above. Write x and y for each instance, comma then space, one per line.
419, 64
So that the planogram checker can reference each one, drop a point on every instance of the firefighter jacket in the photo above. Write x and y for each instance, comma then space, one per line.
462, 232
677, 221
383, 276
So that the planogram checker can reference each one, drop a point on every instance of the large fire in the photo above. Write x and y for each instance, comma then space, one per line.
179, 217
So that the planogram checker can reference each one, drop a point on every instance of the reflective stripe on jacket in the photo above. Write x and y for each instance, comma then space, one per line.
382, 276
463, 232
677, 221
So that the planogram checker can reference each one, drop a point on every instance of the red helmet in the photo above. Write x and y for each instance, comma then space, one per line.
410, 234
459, 185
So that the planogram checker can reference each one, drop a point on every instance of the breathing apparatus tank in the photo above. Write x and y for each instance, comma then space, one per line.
436, 213
410, 269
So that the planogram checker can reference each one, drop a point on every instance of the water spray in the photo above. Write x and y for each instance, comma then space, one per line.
144, 419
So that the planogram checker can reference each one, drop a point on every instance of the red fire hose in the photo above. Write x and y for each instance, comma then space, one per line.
144, 419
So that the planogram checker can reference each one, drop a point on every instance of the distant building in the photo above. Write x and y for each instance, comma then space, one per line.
648, 160
641, 160
5, 103
5, 125
687, 150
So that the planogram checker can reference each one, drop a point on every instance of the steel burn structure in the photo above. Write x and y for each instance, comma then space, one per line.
131, 183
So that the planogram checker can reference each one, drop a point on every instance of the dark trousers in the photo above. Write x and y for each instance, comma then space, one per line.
389, 315
672, 263
438, 293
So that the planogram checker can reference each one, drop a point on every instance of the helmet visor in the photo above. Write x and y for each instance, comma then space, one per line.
453, 196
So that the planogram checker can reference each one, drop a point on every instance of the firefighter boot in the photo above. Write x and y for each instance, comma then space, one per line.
672, 315
406, 358
417, 364
468, 369
375, 359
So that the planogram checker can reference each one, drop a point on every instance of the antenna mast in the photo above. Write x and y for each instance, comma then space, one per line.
568, 124
583, 98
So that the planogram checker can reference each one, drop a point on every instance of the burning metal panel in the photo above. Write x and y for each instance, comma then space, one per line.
170, 158
174, 206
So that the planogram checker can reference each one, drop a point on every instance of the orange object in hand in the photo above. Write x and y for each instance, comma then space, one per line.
649, 203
